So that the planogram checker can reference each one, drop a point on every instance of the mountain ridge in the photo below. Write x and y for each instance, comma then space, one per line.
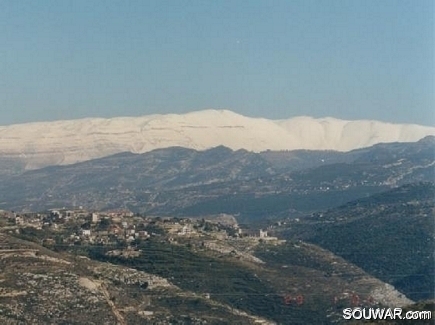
182, 181
41, 144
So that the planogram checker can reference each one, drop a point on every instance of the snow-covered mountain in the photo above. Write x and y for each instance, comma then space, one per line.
65, 142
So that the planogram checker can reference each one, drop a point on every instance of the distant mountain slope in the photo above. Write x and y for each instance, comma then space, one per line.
390, 235
66, 142
337, 180
180, 181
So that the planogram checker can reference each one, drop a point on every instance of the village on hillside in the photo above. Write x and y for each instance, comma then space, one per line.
123, 230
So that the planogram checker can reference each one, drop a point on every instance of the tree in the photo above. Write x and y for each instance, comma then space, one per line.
104, 224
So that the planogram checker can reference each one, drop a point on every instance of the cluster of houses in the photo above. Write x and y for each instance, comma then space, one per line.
81, 227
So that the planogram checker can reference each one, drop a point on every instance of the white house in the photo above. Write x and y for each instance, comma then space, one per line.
263, 233
94, 217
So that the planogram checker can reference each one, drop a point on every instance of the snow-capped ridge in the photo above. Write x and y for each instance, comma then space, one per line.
65, 142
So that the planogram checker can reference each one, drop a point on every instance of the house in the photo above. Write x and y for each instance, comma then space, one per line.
94, 217
115, 230
48, 242
69, 214
129, 239
119, 213
249, 233
185, 230
142, 234
55, 213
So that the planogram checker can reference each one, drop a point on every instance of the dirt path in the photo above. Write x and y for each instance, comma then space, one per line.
115, 310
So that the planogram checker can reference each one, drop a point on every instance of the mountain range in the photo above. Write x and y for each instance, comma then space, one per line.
181, 181
35, 145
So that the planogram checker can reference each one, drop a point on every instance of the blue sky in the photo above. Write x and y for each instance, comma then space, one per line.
277, 59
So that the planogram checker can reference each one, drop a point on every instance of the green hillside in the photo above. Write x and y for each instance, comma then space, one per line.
389, 235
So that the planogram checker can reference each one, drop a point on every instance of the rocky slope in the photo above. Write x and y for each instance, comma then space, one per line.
182, 282
39, 286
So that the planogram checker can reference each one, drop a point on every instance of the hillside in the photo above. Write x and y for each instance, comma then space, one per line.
389, 235
180, 279
179, 181
65, 142
39, 286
